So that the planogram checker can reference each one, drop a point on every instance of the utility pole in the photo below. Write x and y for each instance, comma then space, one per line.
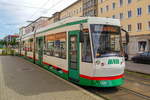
34, 44
20, 43
21, 33
6, 45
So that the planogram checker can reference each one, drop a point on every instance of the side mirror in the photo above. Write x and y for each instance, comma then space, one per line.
127, 36
81, 36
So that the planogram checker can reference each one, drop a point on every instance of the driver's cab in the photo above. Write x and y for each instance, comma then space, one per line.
106, 47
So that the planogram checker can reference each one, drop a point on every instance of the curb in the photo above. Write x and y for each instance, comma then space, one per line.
136, 72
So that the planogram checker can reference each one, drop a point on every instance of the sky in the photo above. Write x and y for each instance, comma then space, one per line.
15, 13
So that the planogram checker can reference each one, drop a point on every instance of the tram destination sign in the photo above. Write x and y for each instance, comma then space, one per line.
99, 28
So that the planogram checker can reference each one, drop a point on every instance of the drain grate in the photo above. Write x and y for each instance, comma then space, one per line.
26, 69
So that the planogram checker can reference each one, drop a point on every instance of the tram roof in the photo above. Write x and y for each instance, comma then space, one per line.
78, 20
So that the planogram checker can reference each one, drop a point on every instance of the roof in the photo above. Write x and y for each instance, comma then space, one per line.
70, 5
36, 20
14, 35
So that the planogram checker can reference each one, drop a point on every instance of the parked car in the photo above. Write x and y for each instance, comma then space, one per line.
142, 58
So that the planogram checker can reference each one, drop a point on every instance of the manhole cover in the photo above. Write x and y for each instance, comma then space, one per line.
26, 69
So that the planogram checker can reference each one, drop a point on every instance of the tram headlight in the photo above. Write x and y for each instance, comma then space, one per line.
97, 62
102, 64
122, 61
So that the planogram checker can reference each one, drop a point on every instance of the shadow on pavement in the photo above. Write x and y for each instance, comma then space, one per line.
102, 90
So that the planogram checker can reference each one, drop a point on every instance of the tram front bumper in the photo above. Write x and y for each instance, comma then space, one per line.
108, 83
112, 81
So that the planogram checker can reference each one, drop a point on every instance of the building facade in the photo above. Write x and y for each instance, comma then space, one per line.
135, 18
133, 14
90, 7
74, 10
38, 23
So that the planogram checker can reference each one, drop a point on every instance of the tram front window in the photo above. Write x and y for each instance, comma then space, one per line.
105, 40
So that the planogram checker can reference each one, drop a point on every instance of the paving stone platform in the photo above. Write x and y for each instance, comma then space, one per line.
137, 67
22, 80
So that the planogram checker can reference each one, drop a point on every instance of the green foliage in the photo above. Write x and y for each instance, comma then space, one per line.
13, 42
2, 42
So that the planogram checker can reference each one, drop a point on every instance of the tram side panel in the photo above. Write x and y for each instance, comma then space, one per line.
30, 54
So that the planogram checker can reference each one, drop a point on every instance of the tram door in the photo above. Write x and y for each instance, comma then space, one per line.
73, 55
40, 43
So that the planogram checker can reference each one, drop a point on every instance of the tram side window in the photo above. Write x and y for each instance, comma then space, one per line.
30, 45
60, 49
56, 45
50, 48
22, 46
57, 48
86, 49
26, 46
63, 49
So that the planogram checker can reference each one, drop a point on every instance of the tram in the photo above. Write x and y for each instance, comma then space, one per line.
85, 50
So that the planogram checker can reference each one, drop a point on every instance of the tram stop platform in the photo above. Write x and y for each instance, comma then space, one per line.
22, 80
137, 67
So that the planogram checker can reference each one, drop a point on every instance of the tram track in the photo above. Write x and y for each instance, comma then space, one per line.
143, 83
137, 77
137, 93
119, 93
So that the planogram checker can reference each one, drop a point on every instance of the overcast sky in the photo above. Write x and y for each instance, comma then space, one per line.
15, 13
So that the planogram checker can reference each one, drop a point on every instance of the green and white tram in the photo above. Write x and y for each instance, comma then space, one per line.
85, 50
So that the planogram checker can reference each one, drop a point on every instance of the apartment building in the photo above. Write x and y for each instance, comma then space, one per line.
38, 23
90, 7
135, 18
10, 38
74, 10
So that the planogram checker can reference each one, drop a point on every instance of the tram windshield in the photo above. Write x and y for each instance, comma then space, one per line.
106, 40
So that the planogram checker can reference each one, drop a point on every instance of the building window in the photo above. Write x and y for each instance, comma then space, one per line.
80, 9
95, 12
149, 25
129, 28
113, 5
139, 11
138, 0
139, 26
113, 16
74, 12
121, 2
101, 10
107, 8
121, 15
56, 45
129, 1
129, 14
149, 9
77, 11
142, 46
